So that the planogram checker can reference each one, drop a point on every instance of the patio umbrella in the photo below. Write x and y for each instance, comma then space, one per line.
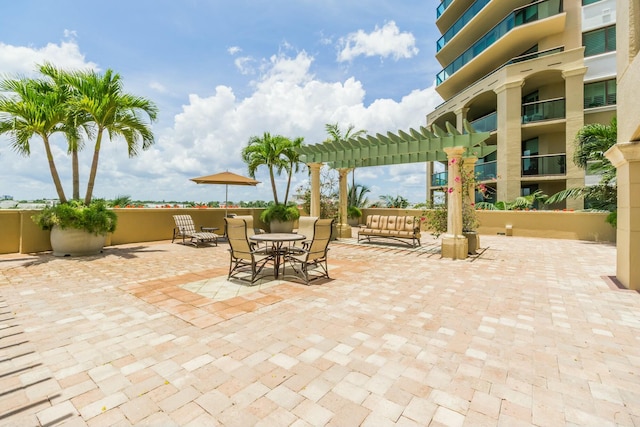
226, 179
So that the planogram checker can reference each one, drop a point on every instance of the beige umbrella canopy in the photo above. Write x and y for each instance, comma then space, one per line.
226, 179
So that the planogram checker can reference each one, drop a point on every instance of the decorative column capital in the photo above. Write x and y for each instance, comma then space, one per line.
509, 85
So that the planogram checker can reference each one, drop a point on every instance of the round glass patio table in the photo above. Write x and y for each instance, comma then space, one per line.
277, 241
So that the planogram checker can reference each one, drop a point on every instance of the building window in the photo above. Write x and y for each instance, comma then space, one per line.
599, 94
599, 41
586, 2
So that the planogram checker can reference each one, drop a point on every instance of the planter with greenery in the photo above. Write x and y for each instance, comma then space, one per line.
77, 229
76, 104
280, 217
354, 214
279, 154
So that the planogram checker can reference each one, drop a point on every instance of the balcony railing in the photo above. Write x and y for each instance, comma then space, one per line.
534, 12
439, 179
488, 123
543, 110
549, 164
442, 6
467, 16
483, 171
486, 171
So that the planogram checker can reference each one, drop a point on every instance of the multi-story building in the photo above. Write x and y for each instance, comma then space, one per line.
532, 73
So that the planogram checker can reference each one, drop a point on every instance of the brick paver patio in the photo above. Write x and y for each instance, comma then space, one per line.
531, 332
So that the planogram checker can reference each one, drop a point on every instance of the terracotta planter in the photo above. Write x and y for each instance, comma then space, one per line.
74, 242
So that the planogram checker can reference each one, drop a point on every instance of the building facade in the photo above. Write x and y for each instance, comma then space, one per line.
533, 74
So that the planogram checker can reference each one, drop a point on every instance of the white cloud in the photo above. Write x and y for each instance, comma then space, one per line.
158, 87
243, 64
233, 50
207, 136
386, 41
24, 60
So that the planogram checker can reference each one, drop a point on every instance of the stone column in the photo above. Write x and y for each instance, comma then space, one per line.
314, 168
509, 100
344, 229
626, 158
454, 244
574, 113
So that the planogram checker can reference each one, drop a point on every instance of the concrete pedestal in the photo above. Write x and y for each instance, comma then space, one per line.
344, 231
454, 247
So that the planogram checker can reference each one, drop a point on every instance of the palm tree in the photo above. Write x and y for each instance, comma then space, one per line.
100, 101
357, 196
292, 158
592, 141
266, 150
74, 120
333, 129
35, 107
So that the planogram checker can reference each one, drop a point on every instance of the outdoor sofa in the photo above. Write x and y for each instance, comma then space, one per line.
397, 227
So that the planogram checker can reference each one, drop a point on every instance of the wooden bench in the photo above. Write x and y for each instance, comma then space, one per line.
399, 228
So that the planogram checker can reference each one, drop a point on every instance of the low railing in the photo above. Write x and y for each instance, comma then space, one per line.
549, 164
461, 22
486, 171
488, 123
483, 171
550, 109
444, 4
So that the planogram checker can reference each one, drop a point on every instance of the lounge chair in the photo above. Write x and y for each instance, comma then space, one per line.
187, 230
244, 257
312, 259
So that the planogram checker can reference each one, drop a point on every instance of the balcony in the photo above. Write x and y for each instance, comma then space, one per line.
524, 15
442, 6
439, 179
486, 171
488, 123
548, 164
543, 110
461, 22
483, 171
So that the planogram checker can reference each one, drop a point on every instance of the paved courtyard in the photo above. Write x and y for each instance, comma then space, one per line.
529, 332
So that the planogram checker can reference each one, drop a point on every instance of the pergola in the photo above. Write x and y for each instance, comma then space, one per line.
423, 145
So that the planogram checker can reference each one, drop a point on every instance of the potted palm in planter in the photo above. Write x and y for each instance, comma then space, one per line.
77, 229
353, 214
280, 217
74, 103
278, 154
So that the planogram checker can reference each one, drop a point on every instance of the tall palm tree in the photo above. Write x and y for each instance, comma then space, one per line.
335, 134
292, 160
268, 151
35, 107
592, 141
106, 107
357, 196
59, 77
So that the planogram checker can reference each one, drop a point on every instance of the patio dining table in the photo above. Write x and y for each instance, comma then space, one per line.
277, 241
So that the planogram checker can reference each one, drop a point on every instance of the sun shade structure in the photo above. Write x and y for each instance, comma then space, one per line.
226, 179
414, 146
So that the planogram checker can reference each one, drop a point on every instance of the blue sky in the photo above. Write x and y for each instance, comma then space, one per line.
221, 72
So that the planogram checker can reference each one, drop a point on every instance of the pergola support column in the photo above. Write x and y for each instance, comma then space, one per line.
314, 169
343, 228
454, 244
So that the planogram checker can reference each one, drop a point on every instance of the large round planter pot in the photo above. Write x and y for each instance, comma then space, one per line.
74, 242
353, 221
281, 226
